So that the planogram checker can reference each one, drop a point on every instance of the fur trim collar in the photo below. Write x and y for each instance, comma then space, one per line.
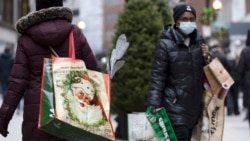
42, 15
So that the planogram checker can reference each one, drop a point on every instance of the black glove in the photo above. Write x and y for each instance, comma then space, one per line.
4, 127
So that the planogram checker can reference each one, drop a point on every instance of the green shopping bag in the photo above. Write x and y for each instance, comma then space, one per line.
161, 124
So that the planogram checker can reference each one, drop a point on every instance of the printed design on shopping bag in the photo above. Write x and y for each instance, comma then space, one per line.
80, 94
52, 114
57, 125
161, 124
214, 120
205, 125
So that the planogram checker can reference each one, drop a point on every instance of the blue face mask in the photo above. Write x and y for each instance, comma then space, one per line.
187, 27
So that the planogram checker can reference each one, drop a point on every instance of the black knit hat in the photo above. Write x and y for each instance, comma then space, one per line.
181, 8
41, 4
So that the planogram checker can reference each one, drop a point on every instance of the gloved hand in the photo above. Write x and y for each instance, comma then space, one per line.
4, 127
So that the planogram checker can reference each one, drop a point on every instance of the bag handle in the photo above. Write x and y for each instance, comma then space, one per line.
71, 46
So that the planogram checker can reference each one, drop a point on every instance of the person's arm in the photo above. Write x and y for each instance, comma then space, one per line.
158, 74
18, 81
206, 53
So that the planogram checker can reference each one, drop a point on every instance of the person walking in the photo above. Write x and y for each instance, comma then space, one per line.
6, 62
244, 74
234, 89
49, 25
176, 80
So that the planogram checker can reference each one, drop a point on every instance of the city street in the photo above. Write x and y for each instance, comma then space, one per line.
159, 52
236, 129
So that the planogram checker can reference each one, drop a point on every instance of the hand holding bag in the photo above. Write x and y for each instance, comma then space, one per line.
161, 124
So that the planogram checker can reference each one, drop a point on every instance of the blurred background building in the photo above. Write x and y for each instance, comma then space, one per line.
216, 18
111, 10
88, 15
10, 11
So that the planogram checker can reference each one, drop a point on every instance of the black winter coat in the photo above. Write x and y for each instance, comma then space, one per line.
244, 75
176, 77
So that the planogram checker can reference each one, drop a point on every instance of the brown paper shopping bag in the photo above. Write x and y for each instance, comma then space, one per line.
217, 76
216, 117
217, 83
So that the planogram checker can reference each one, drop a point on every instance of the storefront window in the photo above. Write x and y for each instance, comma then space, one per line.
25, 7
12, 9
6, 10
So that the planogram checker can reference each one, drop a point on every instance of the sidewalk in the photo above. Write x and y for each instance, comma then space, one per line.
235, 128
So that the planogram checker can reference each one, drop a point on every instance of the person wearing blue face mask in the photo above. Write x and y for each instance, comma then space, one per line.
176, 80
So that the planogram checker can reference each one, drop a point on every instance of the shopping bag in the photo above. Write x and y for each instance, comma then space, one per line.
75, 102
217, 83
211, 123
47, 108
216, 116
161, 124
201, 131
139, 128
217, 76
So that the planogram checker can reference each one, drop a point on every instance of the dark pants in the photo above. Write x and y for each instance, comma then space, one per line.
248, 115
183, 133
235, 97
229, 103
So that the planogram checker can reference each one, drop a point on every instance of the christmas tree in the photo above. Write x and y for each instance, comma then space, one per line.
142, 22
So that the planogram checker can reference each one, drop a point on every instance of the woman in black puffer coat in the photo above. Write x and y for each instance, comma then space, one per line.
177, 72
244, 74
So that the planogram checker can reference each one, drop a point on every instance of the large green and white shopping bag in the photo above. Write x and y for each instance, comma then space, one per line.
63, 116
152, 125
75, 102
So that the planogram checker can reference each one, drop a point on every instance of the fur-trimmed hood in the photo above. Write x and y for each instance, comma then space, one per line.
42, 15
47, 27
